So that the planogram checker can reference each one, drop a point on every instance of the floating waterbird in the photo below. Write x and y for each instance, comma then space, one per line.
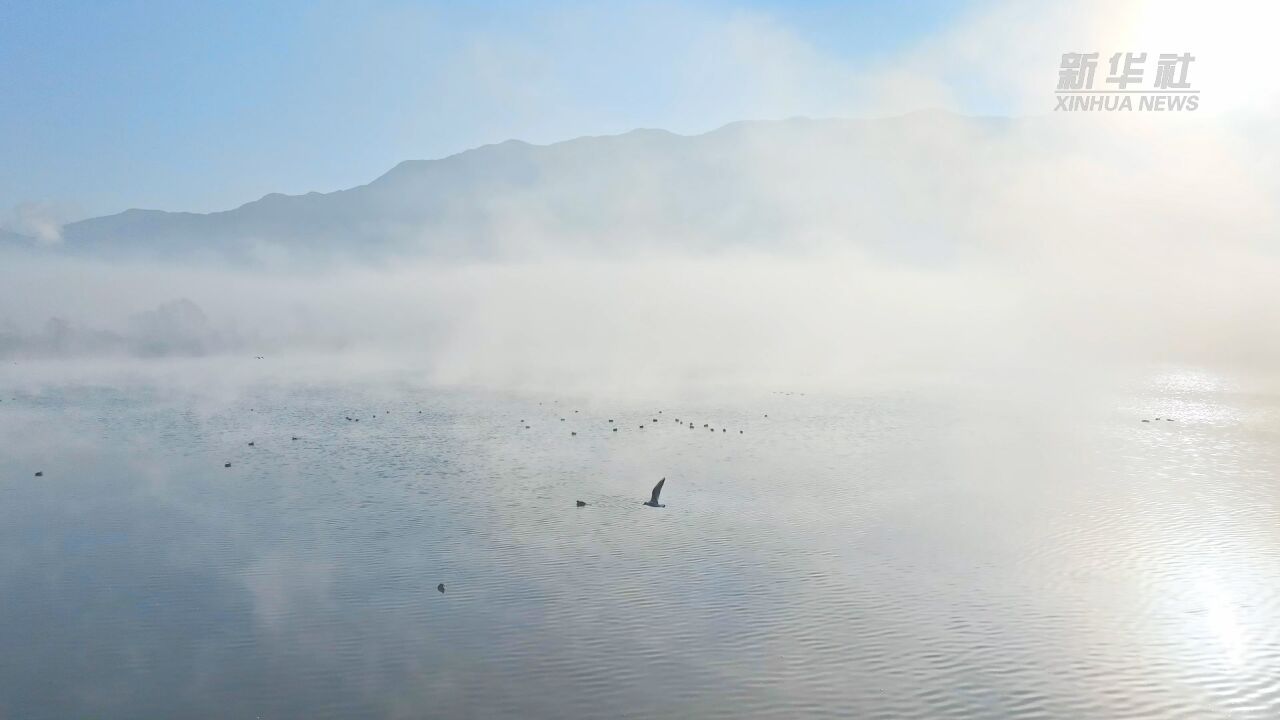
581, 504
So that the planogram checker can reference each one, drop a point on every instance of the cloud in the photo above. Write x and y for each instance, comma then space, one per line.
42, 221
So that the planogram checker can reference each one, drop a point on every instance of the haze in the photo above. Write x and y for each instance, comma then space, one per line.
340, 346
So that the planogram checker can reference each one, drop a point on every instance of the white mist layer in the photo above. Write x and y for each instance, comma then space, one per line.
1079, 245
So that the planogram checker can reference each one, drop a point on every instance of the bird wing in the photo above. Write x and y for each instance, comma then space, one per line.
657, 489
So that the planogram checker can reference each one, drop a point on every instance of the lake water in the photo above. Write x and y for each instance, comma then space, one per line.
894, 553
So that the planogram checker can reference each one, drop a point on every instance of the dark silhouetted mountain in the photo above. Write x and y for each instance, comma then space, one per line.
754, 184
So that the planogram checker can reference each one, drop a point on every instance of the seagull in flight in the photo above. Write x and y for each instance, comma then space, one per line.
657, 489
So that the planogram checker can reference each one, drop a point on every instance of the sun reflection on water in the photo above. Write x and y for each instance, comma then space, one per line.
1220, 617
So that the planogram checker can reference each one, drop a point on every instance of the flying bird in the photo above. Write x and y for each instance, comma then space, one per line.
657, 490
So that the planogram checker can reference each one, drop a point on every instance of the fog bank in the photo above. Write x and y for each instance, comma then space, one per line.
1082, 245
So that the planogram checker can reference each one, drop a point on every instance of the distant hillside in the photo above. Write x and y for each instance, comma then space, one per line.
8, 237
872, 182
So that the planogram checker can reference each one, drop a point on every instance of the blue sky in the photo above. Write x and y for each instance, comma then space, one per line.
204, 106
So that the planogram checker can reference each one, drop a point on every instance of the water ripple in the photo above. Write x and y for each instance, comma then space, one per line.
887, 556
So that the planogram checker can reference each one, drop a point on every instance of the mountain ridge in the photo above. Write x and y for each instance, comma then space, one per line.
647, 185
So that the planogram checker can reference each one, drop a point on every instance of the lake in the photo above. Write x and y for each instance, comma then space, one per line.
904, 551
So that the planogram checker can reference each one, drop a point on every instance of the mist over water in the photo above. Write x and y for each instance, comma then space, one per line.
977, 417
928, 242
917, 549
